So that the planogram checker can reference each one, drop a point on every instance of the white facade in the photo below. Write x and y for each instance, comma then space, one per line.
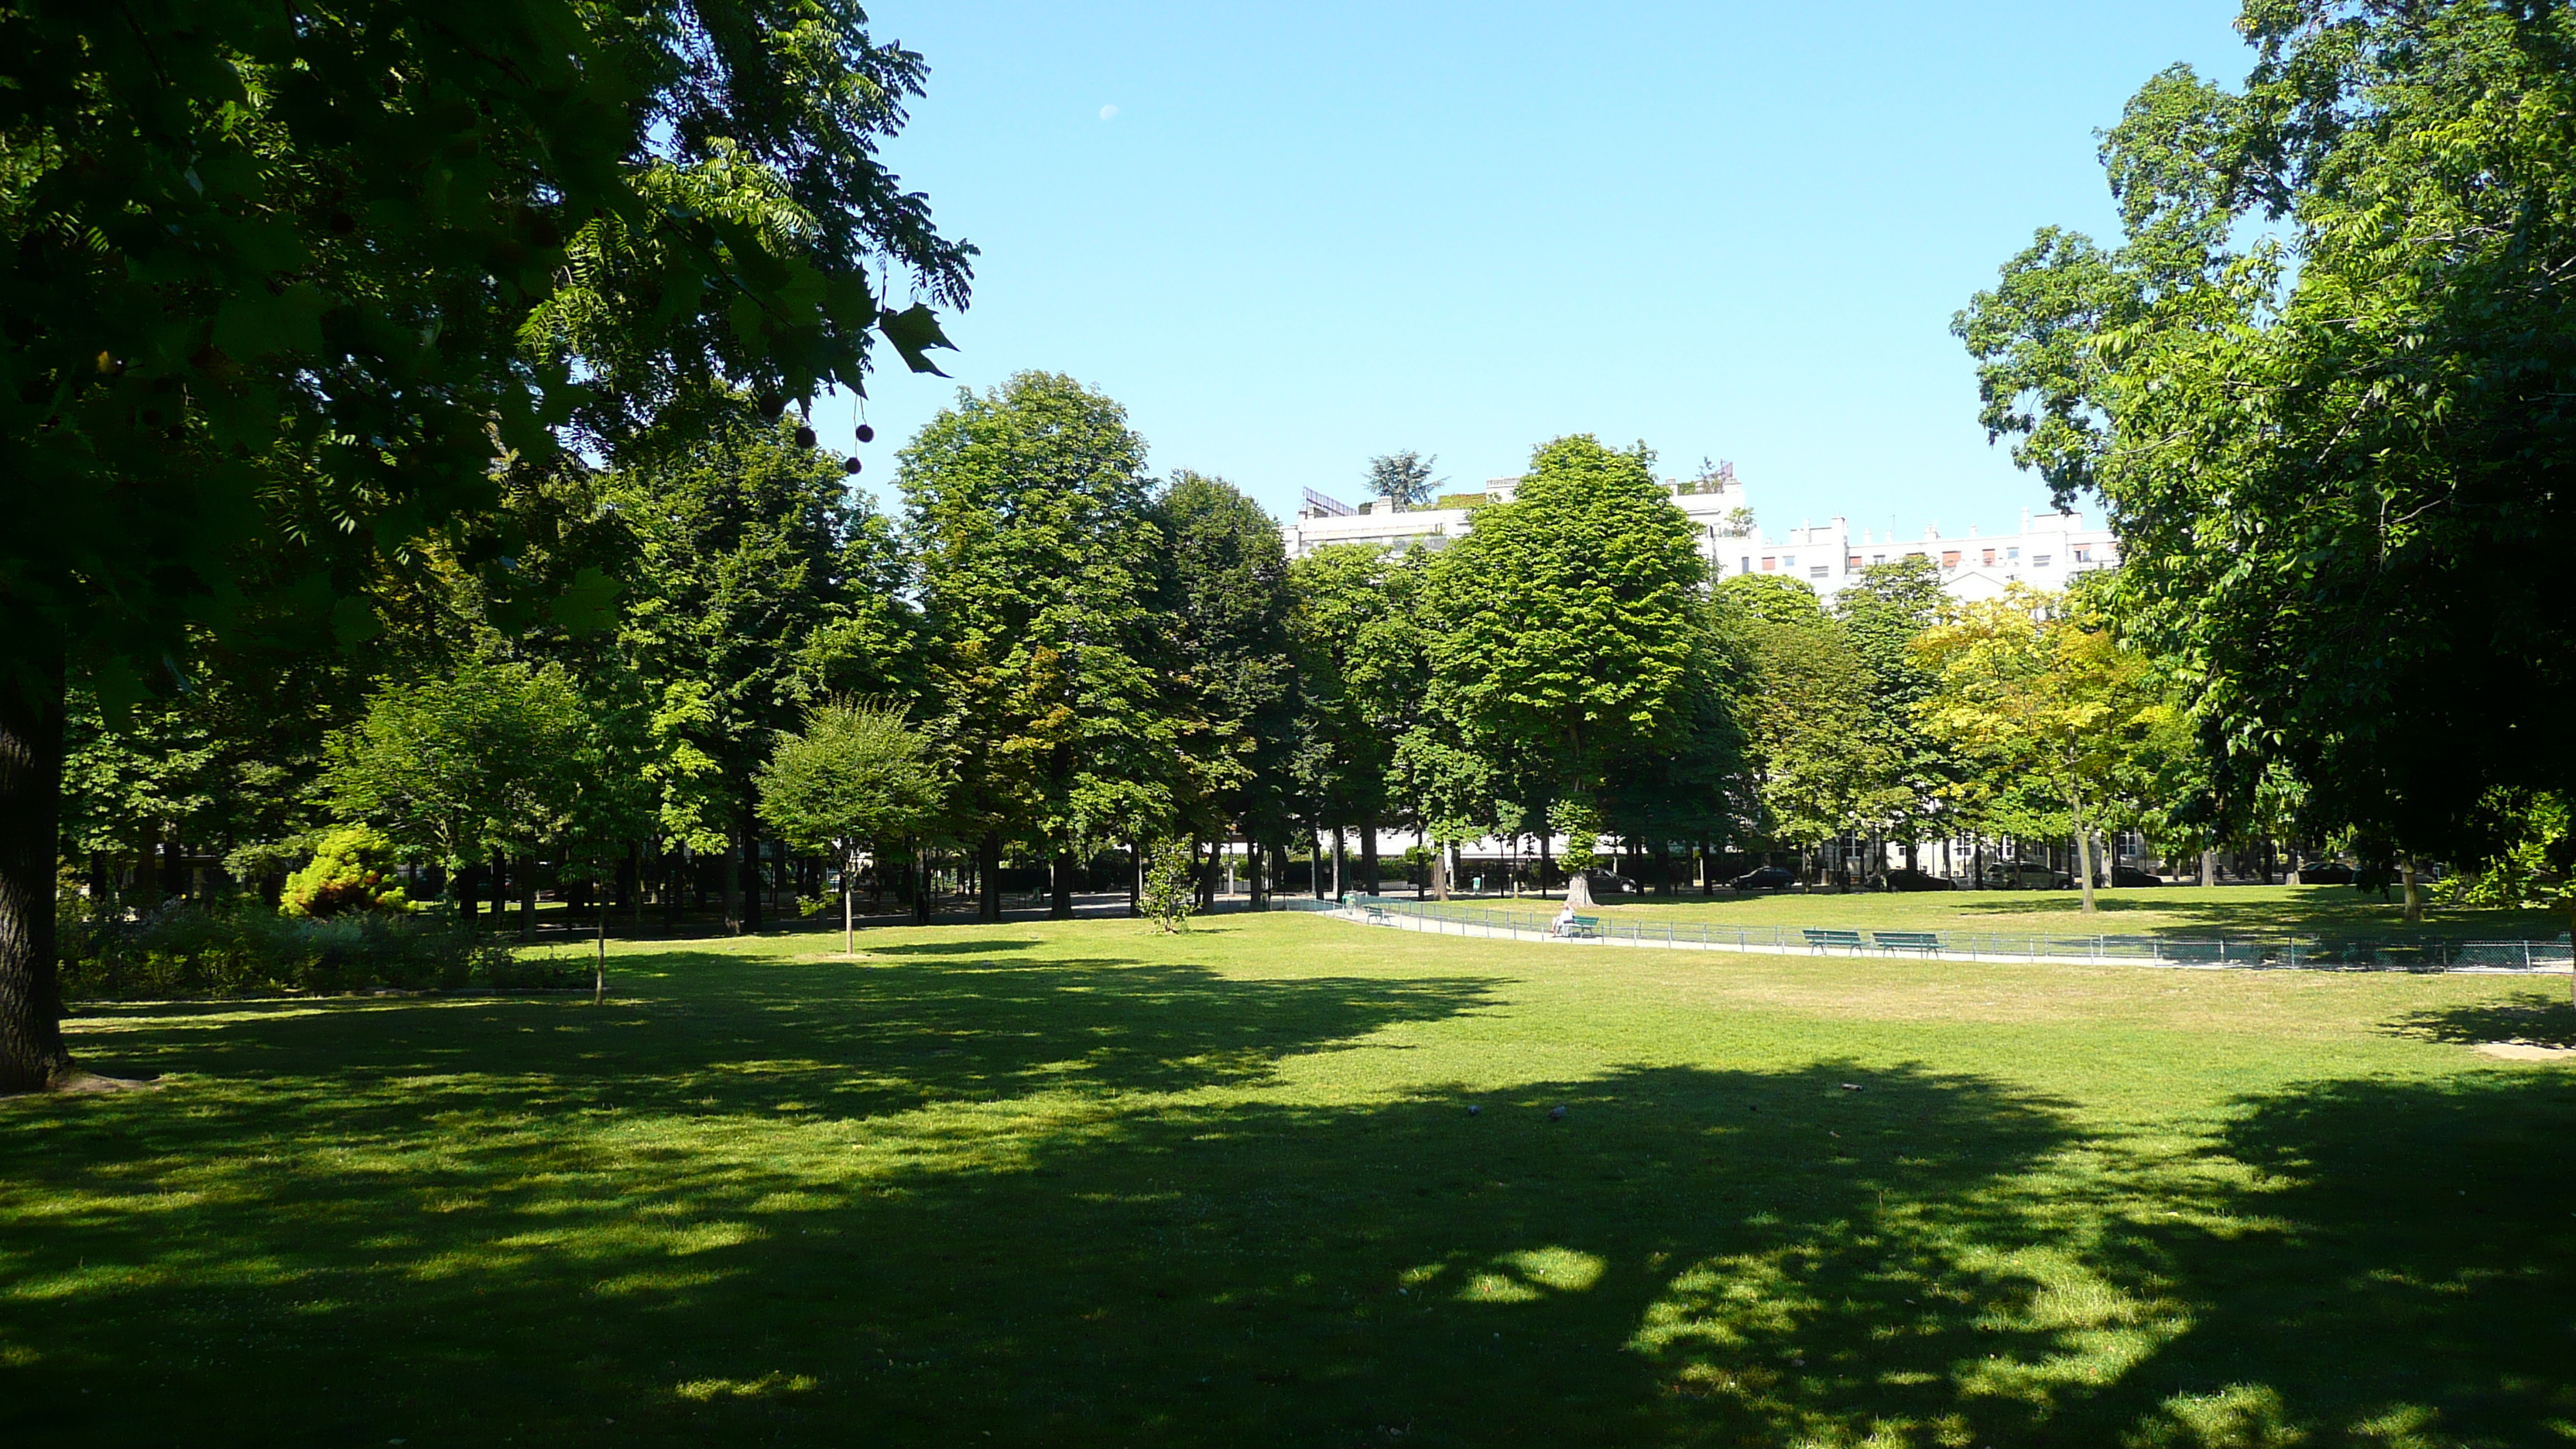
2047, 552
1325, 521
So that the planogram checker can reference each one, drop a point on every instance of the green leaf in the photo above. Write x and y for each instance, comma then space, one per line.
589, 605
255, 323
914, 331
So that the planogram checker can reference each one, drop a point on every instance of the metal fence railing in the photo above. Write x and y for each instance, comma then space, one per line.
2301, 953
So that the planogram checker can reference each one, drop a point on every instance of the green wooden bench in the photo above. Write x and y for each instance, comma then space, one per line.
1586, 927
1927, 942
1826, 940
1376, 915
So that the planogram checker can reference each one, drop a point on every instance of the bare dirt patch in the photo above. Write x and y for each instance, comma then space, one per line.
2523, 1051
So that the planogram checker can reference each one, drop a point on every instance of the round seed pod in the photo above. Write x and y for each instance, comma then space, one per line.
867, 434
804, 437
850, 465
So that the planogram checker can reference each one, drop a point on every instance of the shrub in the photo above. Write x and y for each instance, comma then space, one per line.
350, 871
186, 948
1171, 885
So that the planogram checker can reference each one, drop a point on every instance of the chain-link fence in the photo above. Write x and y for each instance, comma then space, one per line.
2301, 953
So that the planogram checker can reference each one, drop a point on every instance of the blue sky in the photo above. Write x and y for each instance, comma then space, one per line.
1308, 235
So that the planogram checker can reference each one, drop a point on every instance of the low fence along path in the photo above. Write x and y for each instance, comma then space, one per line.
2213, 953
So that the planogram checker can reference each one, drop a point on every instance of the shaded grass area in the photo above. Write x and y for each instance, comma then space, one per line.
1080, 1184
2270, 911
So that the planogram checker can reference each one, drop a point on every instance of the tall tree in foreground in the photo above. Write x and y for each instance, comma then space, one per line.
1041, 567
1565, 623
2336, 454
271, 284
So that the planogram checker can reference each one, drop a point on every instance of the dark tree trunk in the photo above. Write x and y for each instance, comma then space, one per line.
988, 877
1060, 895
499, 879
1368, 857
174, 869
32, 1053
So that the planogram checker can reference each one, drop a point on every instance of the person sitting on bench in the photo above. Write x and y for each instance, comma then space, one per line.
1564, 921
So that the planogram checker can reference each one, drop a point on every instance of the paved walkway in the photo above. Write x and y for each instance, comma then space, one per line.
1403, 922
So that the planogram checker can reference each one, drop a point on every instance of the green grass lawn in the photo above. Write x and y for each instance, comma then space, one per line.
1079, 1184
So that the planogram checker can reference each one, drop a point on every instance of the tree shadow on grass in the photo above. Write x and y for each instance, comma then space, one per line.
2527, 1018
1174, 1252
2398, 1268
855, 1040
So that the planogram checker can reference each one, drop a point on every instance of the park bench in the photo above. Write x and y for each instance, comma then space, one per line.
1586, 927
1822, 940
1376, 915
1889, 942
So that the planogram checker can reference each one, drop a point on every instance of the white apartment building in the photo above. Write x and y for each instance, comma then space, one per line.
2045, 552
1323, 521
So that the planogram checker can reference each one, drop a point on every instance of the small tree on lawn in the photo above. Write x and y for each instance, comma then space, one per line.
856, 774
1171, 887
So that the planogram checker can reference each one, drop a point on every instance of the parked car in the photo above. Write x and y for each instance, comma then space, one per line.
1610, 883
2021, 875
2130, 875
1767, 878
2325, 872
1902, 879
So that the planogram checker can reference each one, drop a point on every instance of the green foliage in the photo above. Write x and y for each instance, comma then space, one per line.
1170, 891
1362, 666
1041, 567
2322, 386
240, 237
185, 949
2043, 697
351, 870
1882, 613
1564, 624
855, 773
498, 756
1580, 824
1232, 681
760, 586
1802, 693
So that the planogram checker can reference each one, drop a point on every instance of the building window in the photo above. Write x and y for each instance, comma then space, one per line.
1788, 560
2013, 554
1818, 571
1854, 561
1769, 564
2039, 560
1747, 566
1878, 558
2084, 555
1990, 557
1949, 558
